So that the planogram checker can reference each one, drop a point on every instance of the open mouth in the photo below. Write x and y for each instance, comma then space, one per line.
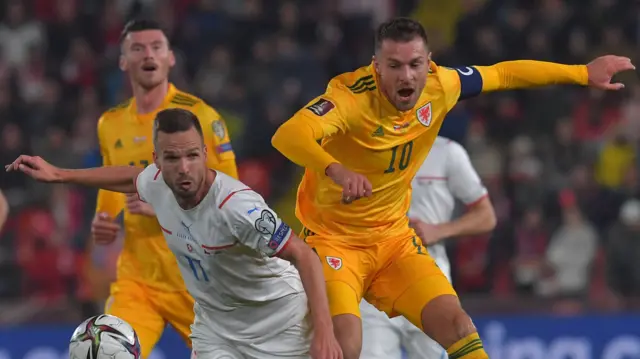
149, 67
185, 184
405, 93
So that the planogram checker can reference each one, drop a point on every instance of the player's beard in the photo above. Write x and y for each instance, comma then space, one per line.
150, 81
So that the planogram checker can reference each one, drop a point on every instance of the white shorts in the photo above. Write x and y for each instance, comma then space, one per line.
384, 338
293, 342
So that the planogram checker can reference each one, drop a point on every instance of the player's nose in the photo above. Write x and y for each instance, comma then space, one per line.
183, 167
406, 74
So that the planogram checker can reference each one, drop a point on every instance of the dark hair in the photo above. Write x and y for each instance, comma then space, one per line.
175, 120
138, 25
400, 29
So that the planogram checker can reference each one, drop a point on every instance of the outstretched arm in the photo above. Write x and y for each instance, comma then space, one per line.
473, 80
112, 178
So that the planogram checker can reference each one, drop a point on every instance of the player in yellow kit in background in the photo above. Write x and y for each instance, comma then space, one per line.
377, 125
149, 292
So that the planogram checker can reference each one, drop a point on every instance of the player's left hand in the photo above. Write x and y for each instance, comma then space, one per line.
136, 206
429, 233
325, 345
603, 68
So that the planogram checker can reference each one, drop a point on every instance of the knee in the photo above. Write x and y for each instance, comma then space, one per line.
462, 325
445, 321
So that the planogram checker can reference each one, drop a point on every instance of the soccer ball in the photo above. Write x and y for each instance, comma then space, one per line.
104, 336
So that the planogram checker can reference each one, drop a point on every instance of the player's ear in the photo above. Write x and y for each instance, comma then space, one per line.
376, 65
156, 160
122, 63
172, 58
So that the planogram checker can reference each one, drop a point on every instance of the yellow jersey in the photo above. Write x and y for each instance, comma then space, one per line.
126, 138
363, 131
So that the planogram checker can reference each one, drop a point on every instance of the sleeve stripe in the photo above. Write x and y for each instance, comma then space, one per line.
286, 243
231, 195
156, 176
471, 204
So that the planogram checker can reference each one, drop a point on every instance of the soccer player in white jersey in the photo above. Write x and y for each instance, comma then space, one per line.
445, 176
245, 268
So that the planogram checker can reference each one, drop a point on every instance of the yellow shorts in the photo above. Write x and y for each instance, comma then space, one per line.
397, 275
149, 310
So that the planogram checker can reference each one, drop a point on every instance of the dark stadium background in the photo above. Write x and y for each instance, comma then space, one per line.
557, 279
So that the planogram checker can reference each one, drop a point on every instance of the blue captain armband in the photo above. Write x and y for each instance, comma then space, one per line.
470, 81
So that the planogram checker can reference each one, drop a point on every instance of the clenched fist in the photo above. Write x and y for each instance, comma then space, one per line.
354, 185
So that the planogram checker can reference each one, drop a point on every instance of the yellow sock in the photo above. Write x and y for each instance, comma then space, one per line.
469, 347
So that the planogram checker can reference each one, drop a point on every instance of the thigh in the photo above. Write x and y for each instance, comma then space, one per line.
130, 302
344, 270
293, 343
380, 337
407, 281
177, 309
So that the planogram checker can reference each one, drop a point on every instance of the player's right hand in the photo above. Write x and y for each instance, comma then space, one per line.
354, 185
325, 345
103, 229
36, 168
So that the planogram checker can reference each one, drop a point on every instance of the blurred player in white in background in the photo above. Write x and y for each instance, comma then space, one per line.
254, 282
445, 176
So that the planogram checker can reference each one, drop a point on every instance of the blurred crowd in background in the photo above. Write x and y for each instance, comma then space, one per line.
560, 163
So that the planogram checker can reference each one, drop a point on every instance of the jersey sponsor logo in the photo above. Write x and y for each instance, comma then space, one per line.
225, 147
279, 236
321, 107
185, 232
266, 224
218, 128
189, 247
334, 262
424, 115
379, 132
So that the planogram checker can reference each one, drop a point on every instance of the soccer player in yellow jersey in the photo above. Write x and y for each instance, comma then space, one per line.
149, 292
376, 126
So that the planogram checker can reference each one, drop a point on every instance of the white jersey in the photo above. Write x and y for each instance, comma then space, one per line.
445, 175
225, 248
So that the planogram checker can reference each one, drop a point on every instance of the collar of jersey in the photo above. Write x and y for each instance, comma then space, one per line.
151, 115
388, 106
